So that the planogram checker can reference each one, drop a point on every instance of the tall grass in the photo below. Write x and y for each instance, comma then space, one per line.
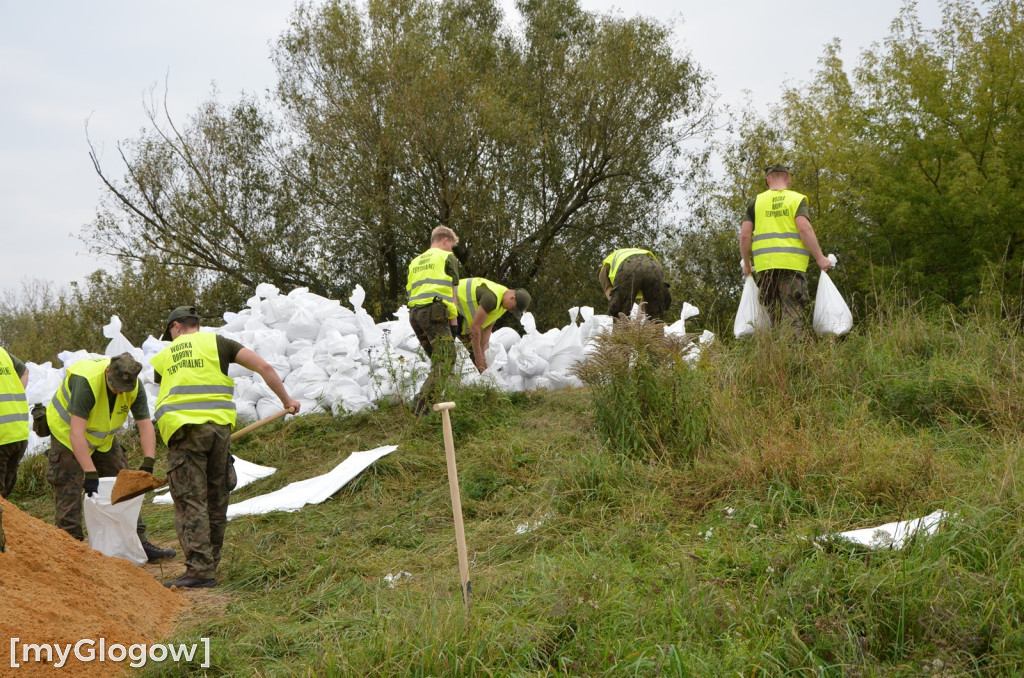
653, 555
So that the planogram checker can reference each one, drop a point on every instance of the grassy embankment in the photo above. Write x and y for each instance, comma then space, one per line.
697, 558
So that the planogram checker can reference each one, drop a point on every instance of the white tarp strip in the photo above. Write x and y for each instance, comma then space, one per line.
246, 471
295, 495
891, 535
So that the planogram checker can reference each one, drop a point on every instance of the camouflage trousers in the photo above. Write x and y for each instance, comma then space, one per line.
434, 331
66, 475
784, 294
201, 473
10, 457
639, 274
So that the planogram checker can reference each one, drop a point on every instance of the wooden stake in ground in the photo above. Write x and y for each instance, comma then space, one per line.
256, 424
453, 485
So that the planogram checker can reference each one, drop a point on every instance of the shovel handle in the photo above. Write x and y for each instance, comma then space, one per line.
256, 424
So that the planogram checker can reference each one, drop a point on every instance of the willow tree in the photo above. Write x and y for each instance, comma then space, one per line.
542, 144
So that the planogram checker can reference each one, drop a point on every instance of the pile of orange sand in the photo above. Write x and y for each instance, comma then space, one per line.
55, 589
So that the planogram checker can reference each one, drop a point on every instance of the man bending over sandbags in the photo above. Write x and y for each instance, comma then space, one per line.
480, 303
195, 413
93, 402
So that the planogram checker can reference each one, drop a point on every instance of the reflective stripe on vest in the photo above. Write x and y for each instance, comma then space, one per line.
615, 259
466, 298
13, 404
193, 390
776, 242
102, 423
428, 279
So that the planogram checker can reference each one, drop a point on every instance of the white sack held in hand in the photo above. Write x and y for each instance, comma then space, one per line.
831, 314
751, 316
112, 529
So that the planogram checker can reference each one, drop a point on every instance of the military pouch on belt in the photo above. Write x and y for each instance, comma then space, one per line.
39, 424
438, 311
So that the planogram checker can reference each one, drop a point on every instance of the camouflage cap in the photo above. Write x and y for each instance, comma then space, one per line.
123, 373
179, 313
776, 167
522, 303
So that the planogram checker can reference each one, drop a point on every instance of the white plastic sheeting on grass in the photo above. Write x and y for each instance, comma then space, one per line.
891, 535
336, 359
246, 471
295, 495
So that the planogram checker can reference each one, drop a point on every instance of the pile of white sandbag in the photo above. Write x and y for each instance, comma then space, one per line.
336, 359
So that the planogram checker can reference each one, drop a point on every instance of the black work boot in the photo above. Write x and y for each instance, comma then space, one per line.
155, 553
188, 582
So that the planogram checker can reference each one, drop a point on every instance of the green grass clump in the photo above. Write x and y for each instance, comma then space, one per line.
671, 553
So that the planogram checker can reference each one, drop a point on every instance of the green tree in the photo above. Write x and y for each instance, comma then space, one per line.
542, 147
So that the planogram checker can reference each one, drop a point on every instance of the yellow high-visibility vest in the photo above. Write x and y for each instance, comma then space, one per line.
777, 242
193, 390
13, 404
428, 279
615, 259
102, 421
465, 295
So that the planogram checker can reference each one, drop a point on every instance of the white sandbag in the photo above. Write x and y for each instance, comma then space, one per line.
506, 336
277, 311
233, 322
751, 316
831, 314
352, 404
267, 291
69, 358
270, 342
112, 529
295, 495
118, 342
567, 349
267, 406
528, 362
344, 324
302, 325
339, 345
245, 411
43, 382
299, 354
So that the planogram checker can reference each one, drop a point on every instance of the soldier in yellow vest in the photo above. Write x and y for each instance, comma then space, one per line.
433, 277
777, 242
630, 274
92, 403
195, 413
13, 424
477, 302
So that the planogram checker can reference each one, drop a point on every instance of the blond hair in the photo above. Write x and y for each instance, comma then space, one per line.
443, 233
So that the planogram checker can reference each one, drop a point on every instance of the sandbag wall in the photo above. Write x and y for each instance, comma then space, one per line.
336, 359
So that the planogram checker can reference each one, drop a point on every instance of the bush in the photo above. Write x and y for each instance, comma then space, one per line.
649, 401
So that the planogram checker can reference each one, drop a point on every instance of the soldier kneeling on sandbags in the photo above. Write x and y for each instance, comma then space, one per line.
93, 402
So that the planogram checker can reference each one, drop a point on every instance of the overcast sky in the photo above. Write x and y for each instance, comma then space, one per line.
63, 63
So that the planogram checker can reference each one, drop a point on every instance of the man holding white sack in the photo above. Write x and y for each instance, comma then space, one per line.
777, 242
477, 300
91, 404
195, 413
433, 277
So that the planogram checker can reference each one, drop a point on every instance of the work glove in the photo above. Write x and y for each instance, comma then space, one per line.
91, 485
147, 465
